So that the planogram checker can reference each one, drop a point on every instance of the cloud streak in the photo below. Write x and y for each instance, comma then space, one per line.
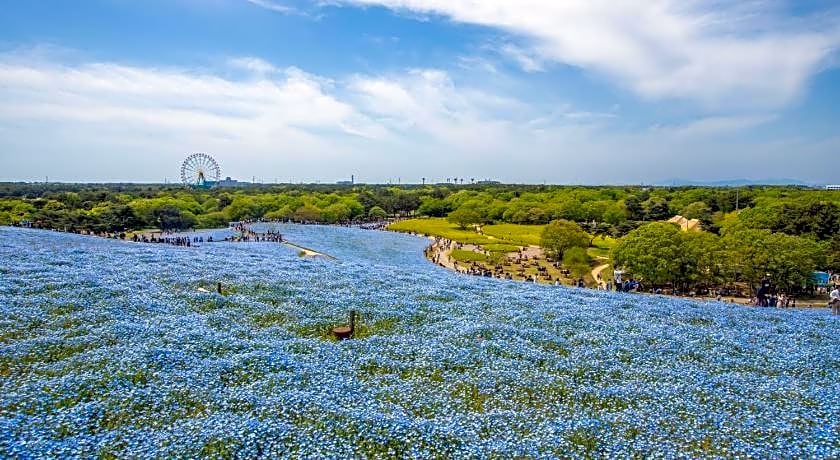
717, 53
273, 6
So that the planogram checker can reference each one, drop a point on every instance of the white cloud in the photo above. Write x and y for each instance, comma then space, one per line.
718, 53
274, 6
714, 126
174, 98
526, 61
71, 121
475, 63
429, 104
253, 64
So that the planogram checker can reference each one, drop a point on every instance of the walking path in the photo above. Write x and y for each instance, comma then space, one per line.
308, 252
596, 272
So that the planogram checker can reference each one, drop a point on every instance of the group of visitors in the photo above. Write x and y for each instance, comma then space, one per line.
773, 300
622, 285
766, 296
246, 234
435, 250
185, 241
364, 224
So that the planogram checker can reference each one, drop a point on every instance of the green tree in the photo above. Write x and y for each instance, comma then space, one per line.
702, 259
788, 261
336, 212
118, 218
245, 207
576, 260
833, 254
652, 252
594, 210
820, 220
283, 213
657, 209
792, 260
633, 206
560, 235
377, 213
697, 210
615, 214
405, 202
169, 217
307, 213
464, 217
536, 215
570, 209
217, 219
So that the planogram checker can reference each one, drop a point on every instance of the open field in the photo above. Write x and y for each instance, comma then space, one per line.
442, 228
108, 349
601, 246
523, 235
509, 235
463, 256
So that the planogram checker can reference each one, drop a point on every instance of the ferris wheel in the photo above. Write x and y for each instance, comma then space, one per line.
200, 170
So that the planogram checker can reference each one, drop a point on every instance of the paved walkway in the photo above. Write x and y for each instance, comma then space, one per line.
308, 252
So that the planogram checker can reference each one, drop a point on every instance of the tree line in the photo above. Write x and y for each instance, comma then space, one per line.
749, 232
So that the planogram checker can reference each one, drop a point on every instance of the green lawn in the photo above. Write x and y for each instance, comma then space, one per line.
501, 247
440, 227
468, 256
601, 247
525, 235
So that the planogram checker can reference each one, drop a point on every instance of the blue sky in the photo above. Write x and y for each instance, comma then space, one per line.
571, 91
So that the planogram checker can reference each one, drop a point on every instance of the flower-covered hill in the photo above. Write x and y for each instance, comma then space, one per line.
109, 348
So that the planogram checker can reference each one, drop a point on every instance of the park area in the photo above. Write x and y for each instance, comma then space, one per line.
510, 249
115, 349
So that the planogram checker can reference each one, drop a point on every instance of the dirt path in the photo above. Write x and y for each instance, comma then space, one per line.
597, 271
443, 253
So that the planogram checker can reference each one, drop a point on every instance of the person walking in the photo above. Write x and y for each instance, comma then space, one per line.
834, 300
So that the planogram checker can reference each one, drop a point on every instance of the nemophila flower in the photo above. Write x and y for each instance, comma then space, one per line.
109, 347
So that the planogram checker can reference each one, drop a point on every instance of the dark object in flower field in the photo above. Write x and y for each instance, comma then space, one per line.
346, 332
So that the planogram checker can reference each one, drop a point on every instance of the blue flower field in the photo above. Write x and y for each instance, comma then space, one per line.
109, 349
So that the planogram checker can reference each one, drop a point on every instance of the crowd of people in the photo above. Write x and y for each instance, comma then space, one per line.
767, 296
619, 285
179, 240
245, 233
773, 300
364, 224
